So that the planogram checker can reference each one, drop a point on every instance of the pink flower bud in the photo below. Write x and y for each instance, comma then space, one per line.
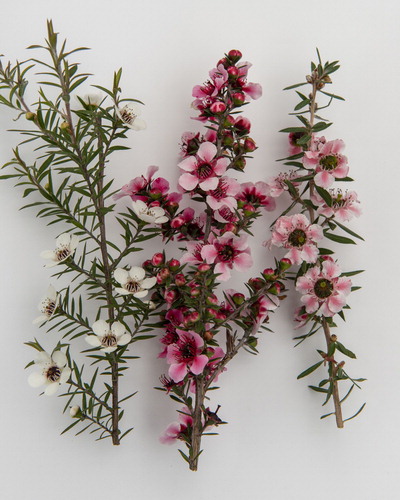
256, 283
163, 275
249, 145
177, 222
235, 55
217, 107
285, 264
203, 268
238, 298
268, 273
157, 259
195, 292
170, 296
147, 265
180, 280
229, 228
238, 98
242, 125
233, 71
212, 300
248, 209
174, 264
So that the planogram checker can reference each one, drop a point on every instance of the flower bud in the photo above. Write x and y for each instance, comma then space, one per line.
242, 125
239, 164
229, 228
248, 210
333, 338
30, 116
157, 259
249, 145
285, 264
256, 283
217, 107
212, 300
228, 139
195, 292
238, 298
203, 268
170, 296
268, 273
234, 55
163, 275
208, 336
180, 280
174, 264
75, 412
177, 222
233, 71
147, 265
65, 127
238, 98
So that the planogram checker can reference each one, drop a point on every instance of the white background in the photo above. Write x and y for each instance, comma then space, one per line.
275, 445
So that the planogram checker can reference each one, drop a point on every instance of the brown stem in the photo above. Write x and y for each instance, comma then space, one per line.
333, 371
197, 426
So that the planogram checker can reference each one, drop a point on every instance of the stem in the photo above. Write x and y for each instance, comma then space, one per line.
197, 426
333, 371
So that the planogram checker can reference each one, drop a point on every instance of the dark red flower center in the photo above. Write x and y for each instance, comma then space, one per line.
186, 349
62, 253
170, 337
329, 162
220, 191
323, 288
204, 170
297, 238
109, 340
53, 373
226, 253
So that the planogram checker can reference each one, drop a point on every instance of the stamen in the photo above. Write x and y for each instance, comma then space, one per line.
53, 373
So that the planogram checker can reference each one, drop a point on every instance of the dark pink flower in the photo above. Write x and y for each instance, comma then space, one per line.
253, 90
202, 169
327, 161
170, 336
227, 252
177, 430
185, 355
297, 234
256, 194
324, 291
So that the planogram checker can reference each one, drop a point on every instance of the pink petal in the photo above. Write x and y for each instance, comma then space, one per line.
311, 303
220, 165
188, 181
330, 269
223, 270
207, 151
324, 179
198, 364
336, 302
209, 184
310, 253
243, 262
254, 90
209, 253
177, 371
189, 164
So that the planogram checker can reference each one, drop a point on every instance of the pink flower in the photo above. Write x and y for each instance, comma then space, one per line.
177, 430
296, 233
344, 207
323, 290
329, 164
193, 254
224, 194
185, 355
202, 168
227, 252
256, 194
277, 185
253, 90
170, 337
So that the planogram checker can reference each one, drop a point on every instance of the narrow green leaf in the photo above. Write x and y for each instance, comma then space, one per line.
339, 239
346, 352
309, 370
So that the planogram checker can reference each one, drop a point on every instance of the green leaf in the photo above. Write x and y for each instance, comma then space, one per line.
295, 86
321, 126
309, 370
357, 413
324, 195
294, 130
353, 273
349, 231
346, 352
318, 389
339, 239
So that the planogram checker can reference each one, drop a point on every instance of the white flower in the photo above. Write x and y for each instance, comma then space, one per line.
65, 247
93, 99
153, 215
53, 371
108, 337
129, 115
47, 306
74, 411
133, 282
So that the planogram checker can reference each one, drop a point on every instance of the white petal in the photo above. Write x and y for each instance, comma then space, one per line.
63, 240
43, 357
36, 379
65, 374
51, 293
118, 329
137, 273
122, 291
54, 263
148, 282
59, 358
109, 349
139, 124
125, 339
74, 242
48, 254
93, 340
161, 220
39, 319
141, 294
139, 206
100, 327
51, 389
121, 276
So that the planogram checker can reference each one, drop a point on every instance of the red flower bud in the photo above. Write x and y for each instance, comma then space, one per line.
180, 280
285, 264
268, 273
242, 125
233, 71
230, 227
177, 222
238, 98
238, 298
163, 275
203, 268
157, 259
174, 264
235, 55
217, 107
256, 283
249, 145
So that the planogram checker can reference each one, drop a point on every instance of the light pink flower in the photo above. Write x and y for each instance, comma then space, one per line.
185, 355
177, 429
297, 234
253, 90
193, 254
277, 185
224, 194
324, 292
227, 252
202, 168
327, 161
344, 207
257, 194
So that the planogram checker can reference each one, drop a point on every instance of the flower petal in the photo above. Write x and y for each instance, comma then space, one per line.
100, 327
36, 379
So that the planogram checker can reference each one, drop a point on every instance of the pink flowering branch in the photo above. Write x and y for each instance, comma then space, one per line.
319, 164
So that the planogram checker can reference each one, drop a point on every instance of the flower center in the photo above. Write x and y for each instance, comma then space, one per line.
204, 170
226, 253
109, 340
329, 162
132, 286
187, 349
297, 238
323, 288
128, 116
62, 253
226, 214
49, 308
170, 338
53, 373
220, 191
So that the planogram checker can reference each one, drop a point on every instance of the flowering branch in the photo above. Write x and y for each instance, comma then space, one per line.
76, 136
324, 287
